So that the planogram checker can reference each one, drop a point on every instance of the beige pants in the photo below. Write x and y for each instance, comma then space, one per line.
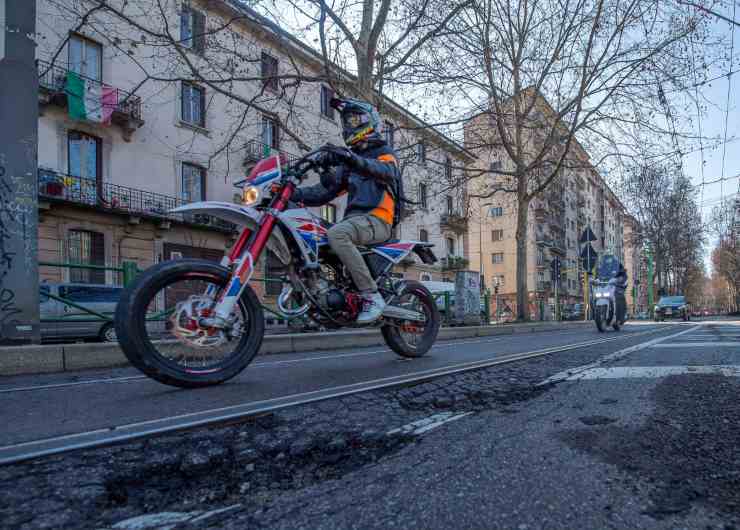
358, 230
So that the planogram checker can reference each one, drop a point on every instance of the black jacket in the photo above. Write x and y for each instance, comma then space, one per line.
369, 184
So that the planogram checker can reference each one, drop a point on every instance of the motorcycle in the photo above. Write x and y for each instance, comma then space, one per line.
193, 323
608, 296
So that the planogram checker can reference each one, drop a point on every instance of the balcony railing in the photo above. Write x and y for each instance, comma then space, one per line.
53, 79
256, 151
120, 199
453, 263
454, 222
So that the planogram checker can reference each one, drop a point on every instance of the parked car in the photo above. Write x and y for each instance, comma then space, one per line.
573, 312
672, 307
64, 321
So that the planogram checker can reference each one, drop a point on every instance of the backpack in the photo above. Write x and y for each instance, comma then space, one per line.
399, 200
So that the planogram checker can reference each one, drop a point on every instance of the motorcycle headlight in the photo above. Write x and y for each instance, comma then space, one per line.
251, 195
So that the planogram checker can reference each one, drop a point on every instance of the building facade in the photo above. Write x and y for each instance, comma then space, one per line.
578, 198
143, 142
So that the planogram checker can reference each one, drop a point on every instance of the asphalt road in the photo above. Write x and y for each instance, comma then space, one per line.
640, 432
45, 406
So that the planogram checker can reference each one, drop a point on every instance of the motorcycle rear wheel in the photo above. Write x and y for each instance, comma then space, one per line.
410, 339
140, 345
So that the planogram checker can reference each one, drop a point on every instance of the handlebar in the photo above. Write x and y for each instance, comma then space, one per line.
303, 165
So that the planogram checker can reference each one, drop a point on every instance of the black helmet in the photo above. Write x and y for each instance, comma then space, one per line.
360, 120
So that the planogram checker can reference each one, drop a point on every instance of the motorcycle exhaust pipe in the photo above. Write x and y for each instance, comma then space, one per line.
284, 299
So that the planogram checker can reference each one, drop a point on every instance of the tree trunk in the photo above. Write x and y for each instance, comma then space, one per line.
522, 294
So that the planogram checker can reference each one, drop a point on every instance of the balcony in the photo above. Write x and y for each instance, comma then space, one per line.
454, 263
52, 82
57, 187
256, 151
455, 222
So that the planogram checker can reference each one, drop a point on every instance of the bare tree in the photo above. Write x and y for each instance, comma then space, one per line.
546, 77
724, 223
664, 203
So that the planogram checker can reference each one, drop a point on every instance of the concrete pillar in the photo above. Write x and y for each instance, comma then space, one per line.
19, 295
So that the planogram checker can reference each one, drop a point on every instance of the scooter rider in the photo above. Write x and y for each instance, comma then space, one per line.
367, 170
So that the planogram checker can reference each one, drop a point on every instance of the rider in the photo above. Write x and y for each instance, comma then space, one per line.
367, 170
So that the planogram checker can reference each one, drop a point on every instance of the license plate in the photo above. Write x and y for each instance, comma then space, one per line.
668, 311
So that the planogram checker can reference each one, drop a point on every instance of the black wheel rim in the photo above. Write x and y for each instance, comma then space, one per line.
163, 322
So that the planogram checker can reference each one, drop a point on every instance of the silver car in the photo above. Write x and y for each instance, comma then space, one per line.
64, 321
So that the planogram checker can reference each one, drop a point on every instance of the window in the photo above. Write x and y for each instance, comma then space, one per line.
329, 213
390, 134
193, 104
497, 235
450, 246
274, 270
450, 205
423, 195
270, 132
326, 109
84, 160
498, 280
423, 235
193, 29
85, 57
84, 246
193, 183
497, 211
269, 71
448, 168
80, 294
498, 257
421, 152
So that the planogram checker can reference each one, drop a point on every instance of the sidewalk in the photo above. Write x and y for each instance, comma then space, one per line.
52, 358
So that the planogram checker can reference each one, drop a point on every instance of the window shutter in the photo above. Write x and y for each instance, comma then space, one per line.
199, 29
202, 116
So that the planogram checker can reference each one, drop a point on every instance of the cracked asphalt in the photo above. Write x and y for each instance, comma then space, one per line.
489, 448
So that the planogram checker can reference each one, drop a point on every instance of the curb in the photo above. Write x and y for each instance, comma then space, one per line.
54, 358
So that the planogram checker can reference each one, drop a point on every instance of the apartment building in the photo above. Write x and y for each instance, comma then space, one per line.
145, 142
578, 198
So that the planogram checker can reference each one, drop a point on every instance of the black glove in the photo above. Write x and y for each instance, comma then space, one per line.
297, 195
332, 155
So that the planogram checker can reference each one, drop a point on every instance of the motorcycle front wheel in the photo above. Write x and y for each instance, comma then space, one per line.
600, 316
157, 325
413, 339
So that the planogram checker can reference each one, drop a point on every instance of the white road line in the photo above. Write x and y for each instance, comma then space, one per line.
427, 424
567, 374
651, 372
694, 344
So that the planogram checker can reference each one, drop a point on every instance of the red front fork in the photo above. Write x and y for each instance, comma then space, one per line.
255, 243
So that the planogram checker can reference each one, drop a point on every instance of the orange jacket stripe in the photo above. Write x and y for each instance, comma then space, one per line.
384, 211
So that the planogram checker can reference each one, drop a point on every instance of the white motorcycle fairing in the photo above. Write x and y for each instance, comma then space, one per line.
239, 215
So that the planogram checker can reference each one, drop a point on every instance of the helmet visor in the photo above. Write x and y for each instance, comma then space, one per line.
354, 120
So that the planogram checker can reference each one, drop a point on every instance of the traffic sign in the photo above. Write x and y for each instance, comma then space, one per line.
588, 257
587, 236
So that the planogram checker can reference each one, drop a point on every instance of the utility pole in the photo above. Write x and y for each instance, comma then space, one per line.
19, 109
651, 303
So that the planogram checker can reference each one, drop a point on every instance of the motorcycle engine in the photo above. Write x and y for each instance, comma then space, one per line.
335, 300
